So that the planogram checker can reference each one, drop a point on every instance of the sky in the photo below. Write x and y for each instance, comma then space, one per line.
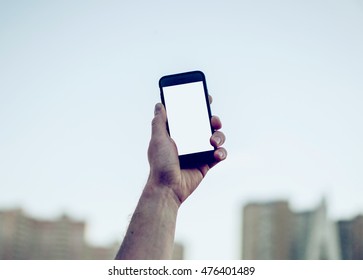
79, 81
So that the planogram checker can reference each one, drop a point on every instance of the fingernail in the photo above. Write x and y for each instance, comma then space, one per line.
157, 108
218, 140
221, 154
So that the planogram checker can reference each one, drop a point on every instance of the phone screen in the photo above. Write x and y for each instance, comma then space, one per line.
188, 117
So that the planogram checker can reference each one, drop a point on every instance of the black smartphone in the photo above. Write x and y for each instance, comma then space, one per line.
185, 97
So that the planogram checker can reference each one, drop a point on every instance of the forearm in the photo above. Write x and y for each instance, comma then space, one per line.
150, 234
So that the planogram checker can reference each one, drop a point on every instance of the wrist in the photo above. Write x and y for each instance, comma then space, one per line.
161, 194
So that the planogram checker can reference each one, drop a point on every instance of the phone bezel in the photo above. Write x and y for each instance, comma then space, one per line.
195, 159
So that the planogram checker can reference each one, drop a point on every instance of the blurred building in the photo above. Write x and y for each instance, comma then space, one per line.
315, 237
266, 230
351, 238
24, 237
272, 231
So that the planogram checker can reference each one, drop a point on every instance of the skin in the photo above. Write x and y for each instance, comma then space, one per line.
150, 234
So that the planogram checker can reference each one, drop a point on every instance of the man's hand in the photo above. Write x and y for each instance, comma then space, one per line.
150, 234
165, 171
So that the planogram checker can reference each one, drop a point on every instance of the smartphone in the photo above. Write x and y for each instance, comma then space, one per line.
185, 97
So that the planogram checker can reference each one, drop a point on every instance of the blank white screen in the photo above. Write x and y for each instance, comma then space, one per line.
188, 117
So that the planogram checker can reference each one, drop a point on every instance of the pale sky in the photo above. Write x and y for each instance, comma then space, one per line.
78, 84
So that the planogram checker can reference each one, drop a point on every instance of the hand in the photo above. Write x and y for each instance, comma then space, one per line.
150, 234
165, 171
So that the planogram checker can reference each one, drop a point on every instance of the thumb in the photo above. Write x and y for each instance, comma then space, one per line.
158, 126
